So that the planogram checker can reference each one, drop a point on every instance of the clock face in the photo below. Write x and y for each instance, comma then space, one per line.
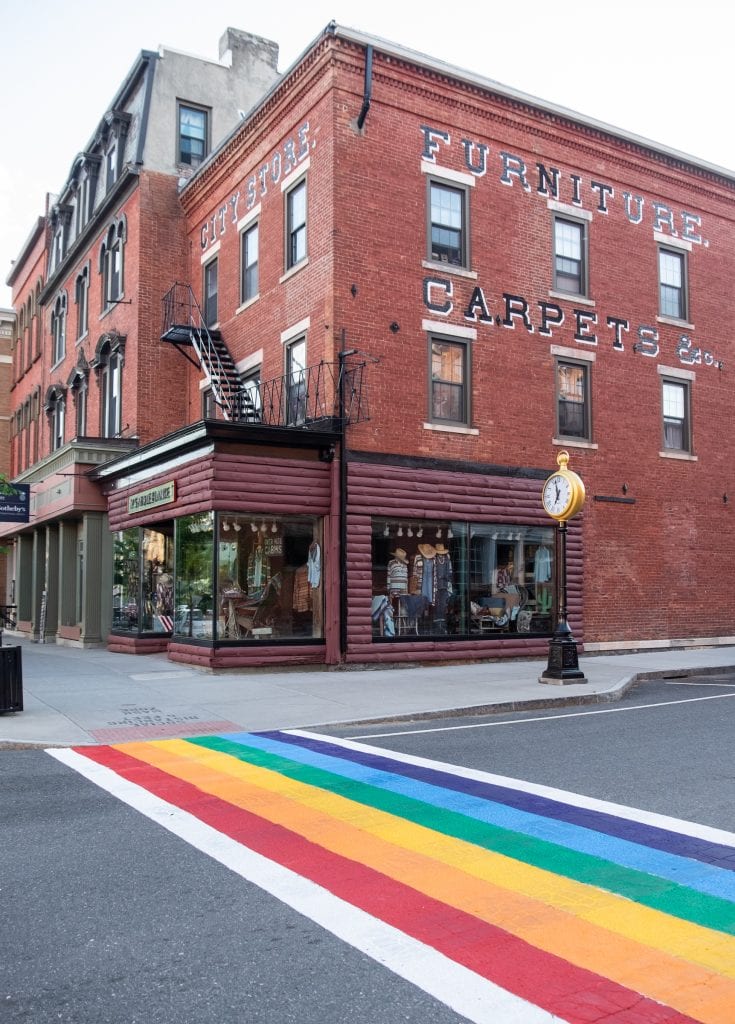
557, 495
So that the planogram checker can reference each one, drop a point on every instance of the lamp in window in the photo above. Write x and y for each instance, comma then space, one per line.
274, 528
409, 531
225, 525
263, 527
400, 531
386, 530
438, 532
450, 533
420, 531
253, 527
237, 527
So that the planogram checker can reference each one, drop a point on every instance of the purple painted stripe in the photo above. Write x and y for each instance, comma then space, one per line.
598, 821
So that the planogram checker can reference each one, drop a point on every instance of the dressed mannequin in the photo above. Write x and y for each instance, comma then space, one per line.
442, 585
422, 572
398, 573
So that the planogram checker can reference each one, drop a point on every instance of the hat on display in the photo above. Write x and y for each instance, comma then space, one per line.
441, 550
427, 550
400, 554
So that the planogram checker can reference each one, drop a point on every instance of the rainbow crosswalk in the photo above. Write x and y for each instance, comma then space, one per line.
507, 901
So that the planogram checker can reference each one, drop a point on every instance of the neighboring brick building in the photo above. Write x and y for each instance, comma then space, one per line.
498, 278
7, 335
90, 379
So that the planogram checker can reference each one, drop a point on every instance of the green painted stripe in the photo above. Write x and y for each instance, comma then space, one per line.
647, 890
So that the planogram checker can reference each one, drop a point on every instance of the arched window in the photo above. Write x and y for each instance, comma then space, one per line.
37, 314
58, 329
112, 262
18, 360
55, 406
108, 365
78, 384
81, 295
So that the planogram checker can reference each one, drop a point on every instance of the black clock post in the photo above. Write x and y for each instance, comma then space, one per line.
563, 664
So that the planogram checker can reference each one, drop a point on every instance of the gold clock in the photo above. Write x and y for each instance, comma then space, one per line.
563, 494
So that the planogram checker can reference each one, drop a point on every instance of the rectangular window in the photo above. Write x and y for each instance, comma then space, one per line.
570, 256
210, 293
296, 382
449, 400
82, 298
111, 166
296, 224
193, 135
433, 578
249, 264
676, 415
672, 284
448, 234
251, 398
573, 400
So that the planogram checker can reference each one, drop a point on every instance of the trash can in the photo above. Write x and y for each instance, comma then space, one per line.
11, 679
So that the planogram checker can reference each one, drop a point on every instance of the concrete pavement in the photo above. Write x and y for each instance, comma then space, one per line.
76, 697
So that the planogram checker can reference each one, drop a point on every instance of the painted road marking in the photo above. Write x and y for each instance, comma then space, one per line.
556, 906
542, 718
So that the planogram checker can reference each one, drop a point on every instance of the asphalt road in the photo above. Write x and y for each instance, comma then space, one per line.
667, 746
107, 917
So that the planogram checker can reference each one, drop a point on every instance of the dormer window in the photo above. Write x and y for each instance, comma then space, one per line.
112, 263
113, 135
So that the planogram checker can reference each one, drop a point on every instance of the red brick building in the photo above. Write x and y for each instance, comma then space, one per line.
90, 378
405, 289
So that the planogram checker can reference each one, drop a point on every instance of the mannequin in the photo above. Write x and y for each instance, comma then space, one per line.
422, 572
442, 584
398, 572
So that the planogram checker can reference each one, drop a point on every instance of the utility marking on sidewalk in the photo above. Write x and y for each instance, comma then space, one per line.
504, 900
162, 730
538, 718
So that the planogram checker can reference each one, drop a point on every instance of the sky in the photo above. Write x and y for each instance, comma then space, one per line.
661, 69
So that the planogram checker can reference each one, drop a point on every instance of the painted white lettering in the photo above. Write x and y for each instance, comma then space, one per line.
647, 343
480, 166
203, 240
663, 217
637, 217
303, 137
548, 181
551, 316
262, 174
691, 220
276, 168
234, 200
222, 219
436, 306
513, 165
251, 192
289, 152
585, 319
618, 325
431, 143
576, 189
477, 309
602, 192
516, 307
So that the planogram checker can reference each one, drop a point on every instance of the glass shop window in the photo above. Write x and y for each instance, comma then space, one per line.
142, 593
464, 580
270, 578
193, 590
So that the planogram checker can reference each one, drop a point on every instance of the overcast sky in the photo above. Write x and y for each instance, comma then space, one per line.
659, 69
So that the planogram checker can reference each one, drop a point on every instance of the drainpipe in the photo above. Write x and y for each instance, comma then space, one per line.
368, 90
343, 355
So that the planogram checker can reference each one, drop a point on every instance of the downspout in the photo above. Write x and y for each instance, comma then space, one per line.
368, 91
343, 355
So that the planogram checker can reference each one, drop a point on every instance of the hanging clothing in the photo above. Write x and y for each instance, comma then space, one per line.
427, 580
314, 566
301, 591
542, 565
259, 569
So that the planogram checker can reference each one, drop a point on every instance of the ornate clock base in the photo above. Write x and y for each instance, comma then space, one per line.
563, 665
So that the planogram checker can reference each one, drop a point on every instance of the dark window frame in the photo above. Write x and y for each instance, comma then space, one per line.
584, 433
297, 236
249, 288
465, 414
567, 280
433, 244
666, 291
191, 159
210, 297
675, 425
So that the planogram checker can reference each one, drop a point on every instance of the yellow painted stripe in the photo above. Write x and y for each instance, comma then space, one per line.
647, 956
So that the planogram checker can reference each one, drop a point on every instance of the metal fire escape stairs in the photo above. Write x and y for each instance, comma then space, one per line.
184, 327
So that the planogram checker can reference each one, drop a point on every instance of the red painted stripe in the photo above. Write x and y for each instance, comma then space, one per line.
577, 995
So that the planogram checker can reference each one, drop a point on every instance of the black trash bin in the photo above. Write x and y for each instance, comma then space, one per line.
11, 679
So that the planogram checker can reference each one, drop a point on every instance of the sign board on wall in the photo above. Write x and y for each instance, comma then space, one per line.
164, 494
15, 503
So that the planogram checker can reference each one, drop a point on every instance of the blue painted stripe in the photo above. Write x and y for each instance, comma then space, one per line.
699, 877
656, 837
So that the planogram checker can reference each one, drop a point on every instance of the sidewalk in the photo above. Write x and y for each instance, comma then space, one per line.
75, 697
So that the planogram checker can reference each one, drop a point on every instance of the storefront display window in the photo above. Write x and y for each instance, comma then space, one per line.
246, 579
461, 579
143, 581
269, 578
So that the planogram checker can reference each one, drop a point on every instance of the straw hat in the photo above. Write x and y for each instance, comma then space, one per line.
427, 550
400, 554
441, 550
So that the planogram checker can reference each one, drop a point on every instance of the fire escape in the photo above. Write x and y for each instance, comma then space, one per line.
326, 396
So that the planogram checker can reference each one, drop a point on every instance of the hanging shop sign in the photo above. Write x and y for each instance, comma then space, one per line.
164, 494
15, 503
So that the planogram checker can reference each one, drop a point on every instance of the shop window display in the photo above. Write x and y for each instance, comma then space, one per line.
460, 579
247, 579
143, 581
